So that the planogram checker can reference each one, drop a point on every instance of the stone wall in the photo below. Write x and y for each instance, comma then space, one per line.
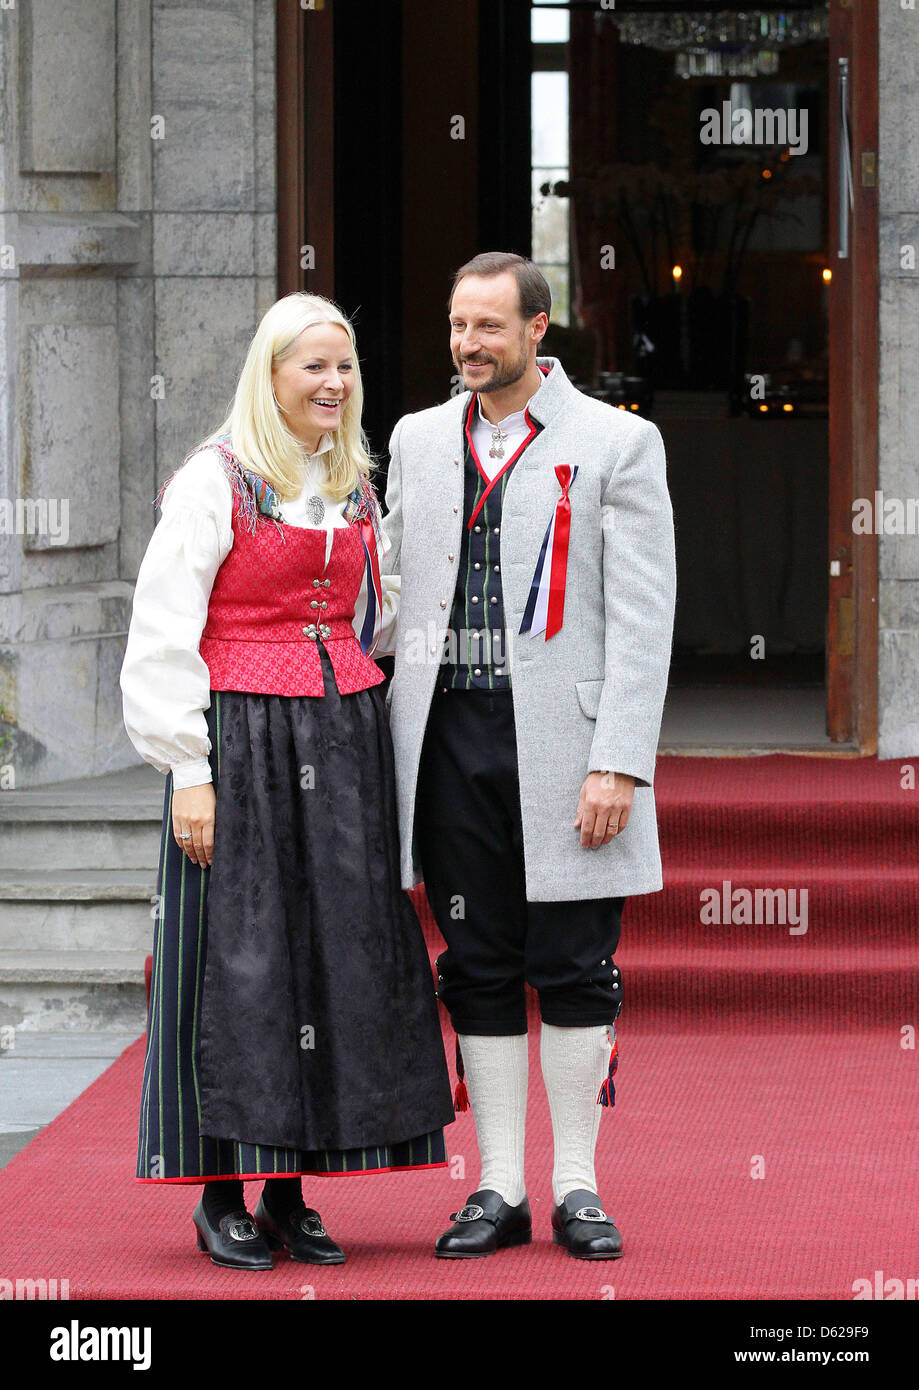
136, 256
898, 187
137, 251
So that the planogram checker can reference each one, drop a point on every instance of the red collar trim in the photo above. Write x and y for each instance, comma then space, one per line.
490, 483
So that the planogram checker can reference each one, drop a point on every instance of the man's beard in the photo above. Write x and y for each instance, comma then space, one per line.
506, 375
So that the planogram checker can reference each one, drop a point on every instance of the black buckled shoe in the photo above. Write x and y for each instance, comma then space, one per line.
582, 1226
234, 1242
302, 1232
485, 1224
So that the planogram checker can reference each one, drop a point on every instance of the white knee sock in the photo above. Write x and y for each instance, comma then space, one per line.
574, 1064
497, 1071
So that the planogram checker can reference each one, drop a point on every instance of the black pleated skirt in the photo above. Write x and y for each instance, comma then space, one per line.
293, 1024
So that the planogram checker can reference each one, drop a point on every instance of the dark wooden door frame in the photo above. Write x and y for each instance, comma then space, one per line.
305, 166
305, 97
852, 620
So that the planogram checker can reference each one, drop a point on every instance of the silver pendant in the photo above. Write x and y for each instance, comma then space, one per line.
497, 444
315, 508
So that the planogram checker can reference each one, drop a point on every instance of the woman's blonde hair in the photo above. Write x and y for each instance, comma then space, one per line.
260, 437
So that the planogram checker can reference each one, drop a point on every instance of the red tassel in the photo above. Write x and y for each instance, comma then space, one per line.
461, 1094
607, 1094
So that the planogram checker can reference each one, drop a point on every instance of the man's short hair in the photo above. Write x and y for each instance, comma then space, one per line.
535, 295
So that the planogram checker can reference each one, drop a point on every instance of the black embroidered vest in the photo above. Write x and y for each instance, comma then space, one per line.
475, 654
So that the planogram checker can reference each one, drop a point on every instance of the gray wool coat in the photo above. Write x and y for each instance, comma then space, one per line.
591, 697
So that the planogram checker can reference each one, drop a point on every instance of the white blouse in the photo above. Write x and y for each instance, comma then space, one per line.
165, 683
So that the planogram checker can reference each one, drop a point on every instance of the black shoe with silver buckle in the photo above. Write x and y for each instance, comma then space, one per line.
582, 1226
234, 1242
485, 1224
302, 1232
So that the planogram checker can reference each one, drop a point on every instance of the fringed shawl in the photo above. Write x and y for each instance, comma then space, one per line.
254, 497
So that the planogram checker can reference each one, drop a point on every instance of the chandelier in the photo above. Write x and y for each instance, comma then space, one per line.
724, 43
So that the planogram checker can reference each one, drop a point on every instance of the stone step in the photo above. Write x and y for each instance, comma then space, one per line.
77, 885
79, 844
57, 967
77, 910
80, 990
110, 822
78, 863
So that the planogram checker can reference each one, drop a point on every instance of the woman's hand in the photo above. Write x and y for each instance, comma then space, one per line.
193, 822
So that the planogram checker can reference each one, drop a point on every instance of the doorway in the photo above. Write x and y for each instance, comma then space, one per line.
696, 280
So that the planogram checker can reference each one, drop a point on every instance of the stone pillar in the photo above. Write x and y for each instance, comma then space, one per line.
137, 211
898, 186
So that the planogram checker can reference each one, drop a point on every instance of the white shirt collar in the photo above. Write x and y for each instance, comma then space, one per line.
315, 469
516, 418
325, 445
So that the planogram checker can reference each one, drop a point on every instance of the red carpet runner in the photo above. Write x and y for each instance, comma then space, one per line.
746, 1050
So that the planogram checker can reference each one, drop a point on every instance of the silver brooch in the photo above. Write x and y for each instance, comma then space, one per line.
472, 1213
498, 438
591, 1214
315, 509
243, 1230
312, 1226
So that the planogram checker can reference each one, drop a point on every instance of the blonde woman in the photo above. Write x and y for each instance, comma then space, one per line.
292, 1027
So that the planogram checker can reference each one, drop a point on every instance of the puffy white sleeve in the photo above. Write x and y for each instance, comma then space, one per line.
392, 592
164, 682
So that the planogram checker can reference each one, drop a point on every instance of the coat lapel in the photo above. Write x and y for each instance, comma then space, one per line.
442, 461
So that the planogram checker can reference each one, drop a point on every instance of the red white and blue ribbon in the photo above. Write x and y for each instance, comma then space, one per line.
545, 606
373, 590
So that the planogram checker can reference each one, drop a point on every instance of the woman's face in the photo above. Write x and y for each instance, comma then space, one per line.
314, 381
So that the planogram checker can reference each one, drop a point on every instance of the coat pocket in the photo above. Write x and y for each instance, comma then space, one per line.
589, 693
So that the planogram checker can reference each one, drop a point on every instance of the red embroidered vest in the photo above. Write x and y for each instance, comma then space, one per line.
273, 599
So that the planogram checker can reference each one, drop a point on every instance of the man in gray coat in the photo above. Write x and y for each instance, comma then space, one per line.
533, 532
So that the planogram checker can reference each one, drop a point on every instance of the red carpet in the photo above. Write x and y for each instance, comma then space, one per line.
744, 1049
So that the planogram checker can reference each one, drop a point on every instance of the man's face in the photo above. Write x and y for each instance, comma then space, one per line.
489, 340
